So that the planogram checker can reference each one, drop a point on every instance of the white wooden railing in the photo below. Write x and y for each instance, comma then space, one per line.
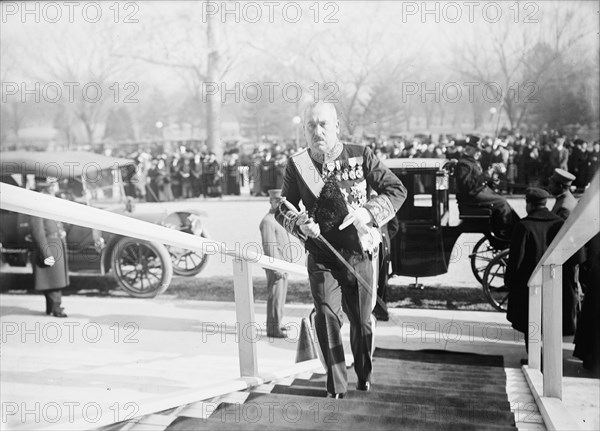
24, 201
545, 302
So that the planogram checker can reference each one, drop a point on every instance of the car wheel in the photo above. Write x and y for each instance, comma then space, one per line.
188, 263
143, 269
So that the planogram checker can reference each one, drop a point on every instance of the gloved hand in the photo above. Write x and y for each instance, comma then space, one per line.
309, 227
359, 218
49, 261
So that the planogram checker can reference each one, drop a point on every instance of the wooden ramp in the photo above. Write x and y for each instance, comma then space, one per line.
425, 389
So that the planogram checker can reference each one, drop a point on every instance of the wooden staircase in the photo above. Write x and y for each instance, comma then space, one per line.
411, 390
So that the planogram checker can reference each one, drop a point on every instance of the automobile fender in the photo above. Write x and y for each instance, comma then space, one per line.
107, 253
192, 219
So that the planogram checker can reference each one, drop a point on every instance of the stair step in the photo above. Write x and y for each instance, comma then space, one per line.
463, 385
306, 414
451, 368
406, 395
441, 356
473, 411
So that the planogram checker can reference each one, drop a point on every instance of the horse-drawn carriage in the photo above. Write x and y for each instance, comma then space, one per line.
427, 234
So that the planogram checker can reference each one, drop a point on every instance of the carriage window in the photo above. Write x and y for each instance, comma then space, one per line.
422, 188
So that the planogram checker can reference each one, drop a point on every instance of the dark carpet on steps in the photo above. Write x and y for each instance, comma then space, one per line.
468, 395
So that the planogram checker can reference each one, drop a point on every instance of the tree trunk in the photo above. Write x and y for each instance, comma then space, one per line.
213, 113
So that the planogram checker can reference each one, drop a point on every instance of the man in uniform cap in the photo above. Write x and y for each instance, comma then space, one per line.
471, 188
531, 237
274, 239
559, 185
50, 269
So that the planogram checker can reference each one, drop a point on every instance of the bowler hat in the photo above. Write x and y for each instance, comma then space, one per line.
561, 176
536, 196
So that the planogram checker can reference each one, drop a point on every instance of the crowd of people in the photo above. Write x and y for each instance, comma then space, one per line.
512, 163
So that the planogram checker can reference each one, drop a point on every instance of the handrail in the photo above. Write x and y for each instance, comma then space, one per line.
545, 300
13, 198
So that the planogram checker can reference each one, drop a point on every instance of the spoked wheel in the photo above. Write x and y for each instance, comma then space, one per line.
494, 287
188, 263
143, 269
482, 255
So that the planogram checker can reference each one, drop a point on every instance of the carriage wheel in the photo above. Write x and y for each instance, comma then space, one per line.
482, 255
494, 287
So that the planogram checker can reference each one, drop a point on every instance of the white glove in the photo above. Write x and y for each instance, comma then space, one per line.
359, 218
310, 228
49, 261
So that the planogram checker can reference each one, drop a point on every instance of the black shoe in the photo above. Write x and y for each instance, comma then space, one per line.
59, 312
363, 385
336, 396
524, 362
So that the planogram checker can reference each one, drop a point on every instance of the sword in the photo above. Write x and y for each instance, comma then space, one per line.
337, 254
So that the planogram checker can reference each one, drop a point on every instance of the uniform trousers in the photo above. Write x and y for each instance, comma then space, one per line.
277, 291
335, 289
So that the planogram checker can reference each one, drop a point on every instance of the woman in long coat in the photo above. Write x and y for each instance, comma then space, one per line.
50, 258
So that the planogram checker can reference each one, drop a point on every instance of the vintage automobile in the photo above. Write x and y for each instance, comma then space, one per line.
143, 269
426, 236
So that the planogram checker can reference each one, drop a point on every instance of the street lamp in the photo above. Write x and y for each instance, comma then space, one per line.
297, 120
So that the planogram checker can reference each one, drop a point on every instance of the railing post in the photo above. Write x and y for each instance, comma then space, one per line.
552, 330
535, 328
244, 310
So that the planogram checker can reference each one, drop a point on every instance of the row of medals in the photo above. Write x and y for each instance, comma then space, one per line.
353, 172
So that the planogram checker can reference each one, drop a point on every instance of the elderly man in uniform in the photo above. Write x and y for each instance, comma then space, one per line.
559, 184
274, 239
472, 189
334, 180
530, 239
50, 268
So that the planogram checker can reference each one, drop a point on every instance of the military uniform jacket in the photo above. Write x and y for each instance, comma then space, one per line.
49, 240
469, 178
531, 237
357, 172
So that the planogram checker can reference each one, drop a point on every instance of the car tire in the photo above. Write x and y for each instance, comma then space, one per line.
180, 260
143, 269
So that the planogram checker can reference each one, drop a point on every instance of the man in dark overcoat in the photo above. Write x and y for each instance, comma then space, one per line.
531, 237
50, 260
472, 189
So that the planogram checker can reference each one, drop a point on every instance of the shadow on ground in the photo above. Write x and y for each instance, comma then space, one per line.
221, 289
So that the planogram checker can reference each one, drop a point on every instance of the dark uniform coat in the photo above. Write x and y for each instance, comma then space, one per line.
49, 240
587, 338
530, 239
471, 189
